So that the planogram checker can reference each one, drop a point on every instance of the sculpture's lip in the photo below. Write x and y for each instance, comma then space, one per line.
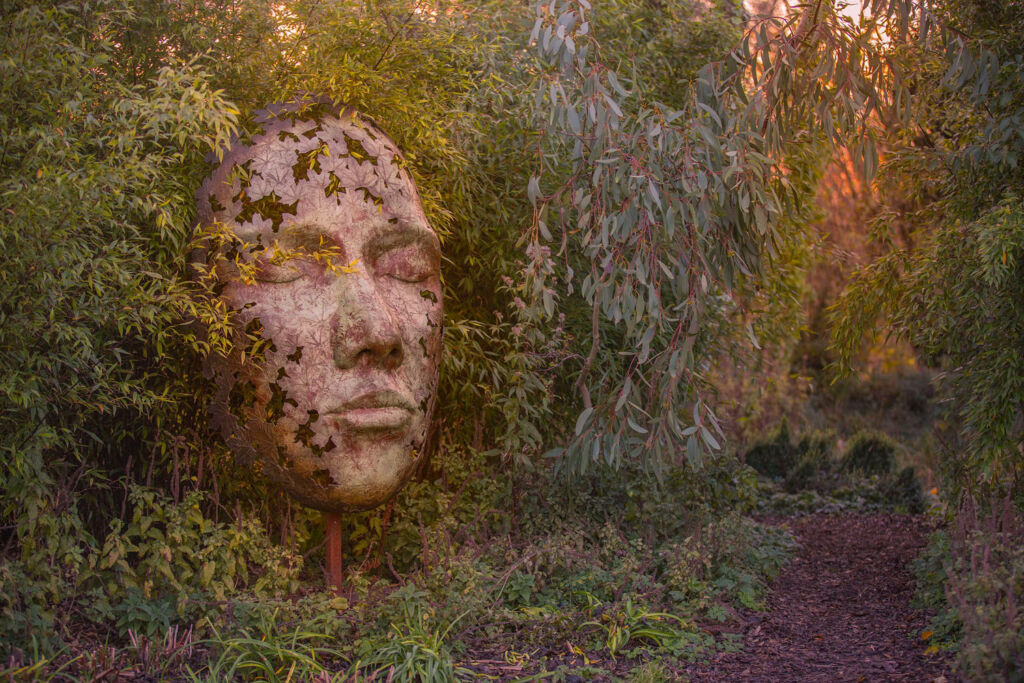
374, 411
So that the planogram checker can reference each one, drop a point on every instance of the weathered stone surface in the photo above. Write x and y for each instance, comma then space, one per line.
319, 244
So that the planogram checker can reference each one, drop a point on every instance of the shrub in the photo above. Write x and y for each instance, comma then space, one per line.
986, 588
800, 464
170, 564
817, 446
905, 491
870, 452
802, 476
775, 456
814, 458
931, 575
97, 210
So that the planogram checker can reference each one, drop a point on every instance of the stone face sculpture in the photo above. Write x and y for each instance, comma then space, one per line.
319, 246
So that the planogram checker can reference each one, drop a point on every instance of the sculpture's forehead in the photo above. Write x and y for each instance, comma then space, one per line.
283, 141
298, 167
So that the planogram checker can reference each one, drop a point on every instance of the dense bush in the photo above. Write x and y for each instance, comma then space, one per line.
904, 491
986, 585
951, 235
96, 385
971, 576
869, 452
814, 460
775, 455
778, 457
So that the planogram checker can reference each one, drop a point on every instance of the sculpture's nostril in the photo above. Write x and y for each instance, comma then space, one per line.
366, 335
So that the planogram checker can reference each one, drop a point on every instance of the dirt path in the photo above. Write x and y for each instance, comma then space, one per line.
840, 611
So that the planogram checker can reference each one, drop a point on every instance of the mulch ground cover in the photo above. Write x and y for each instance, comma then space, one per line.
841, 611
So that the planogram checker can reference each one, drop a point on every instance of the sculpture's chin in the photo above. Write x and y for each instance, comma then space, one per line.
350, 463
355, 481
368, 494
357, 474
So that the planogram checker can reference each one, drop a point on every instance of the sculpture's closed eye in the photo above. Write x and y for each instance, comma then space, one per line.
409, 263
277, 268
280, 266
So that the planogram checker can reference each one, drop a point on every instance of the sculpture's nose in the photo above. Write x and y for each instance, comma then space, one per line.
363, 329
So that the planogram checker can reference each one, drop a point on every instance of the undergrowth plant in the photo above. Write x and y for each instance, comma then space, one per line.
635, 624
870, 452
621, 575
970, 577
412, 650
986, 588
273, 657
170, 564
774, 456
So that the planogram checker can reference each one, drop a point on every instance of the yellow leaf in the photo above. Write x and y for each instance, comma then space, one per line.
925, 635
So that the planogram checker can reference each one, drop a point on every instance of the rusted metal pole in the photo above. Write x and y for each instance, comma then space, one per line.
332, 527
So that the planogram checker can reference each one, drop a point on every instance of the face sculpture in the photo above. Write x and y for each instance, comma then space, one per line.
324, 254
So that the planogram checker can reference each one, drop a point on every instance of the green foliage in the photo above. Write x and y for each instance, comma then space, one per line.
615, 542
650, 672
732, 558
775, 456
170, 563
986, 583
413, 649
107, 114
814, 460
662, 200
905, 491
636, 624
639, 290
36, 671
949, 276
817, 446
657, 569
854, 496
931, 576
96, 212
268, 655
667, 218
869, 452
802, 476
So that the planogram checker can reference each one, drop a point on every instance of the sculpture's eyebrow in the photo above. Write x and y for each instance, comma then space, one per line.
305, 237
394, 236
